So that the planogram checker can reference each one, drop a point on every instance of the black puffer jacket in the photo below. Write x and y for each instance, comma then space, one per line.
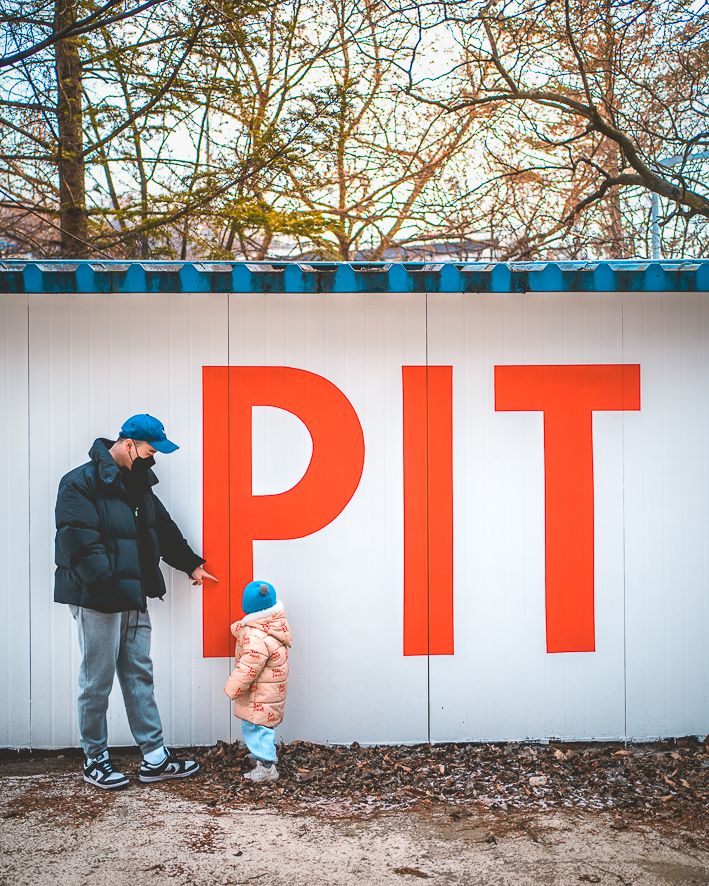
98, 557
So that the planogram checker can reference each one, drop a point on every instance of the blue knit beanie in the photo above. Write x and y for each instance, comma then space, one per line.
258, 595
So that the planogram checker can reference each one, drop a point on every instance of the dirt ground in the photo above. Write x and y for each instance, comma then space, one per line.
318, 828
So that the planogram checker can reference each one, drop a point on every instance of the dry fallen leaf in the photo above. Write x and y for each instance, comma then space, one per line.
537, 781
412, 872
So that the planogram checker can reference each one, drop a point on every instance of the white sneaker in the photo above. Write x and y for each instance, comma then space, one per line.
262, 772
171, 767
101, 773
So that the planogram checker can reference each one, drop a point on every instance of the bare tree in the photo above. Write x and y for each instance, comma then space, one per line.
352, 128
377, 157
62, 117
37, 32
601, 91
70, 131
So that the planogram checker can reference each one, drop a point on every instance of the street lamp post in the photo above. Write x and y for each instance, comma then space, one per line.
667, 162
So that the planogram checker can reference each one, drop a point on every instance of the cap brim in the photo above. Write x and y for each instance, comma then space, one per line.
164, 446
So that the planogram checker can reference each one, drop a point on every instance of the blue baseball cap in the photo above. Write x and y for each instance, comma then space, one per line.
147, 427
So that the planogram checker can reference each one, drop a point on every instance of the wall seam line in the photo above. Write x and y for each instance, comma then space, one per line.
29, 519
625, 602
428, 542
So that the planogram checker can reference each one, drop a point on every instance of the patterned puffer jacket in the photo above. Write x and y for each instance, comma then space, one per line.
259, 681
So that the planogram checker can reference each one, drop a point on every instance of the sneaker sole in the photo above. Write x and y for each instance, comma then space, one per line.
150, 779
116, 786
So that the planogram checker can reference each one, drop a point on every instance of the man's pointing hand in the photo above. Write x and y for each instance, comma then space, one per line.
199, 575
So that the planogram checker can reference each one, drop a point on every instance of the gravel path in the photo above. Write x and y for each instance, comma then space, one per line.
339, 816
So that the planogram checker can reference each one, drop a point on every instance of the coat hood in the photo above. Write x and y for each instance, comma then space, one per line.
271, 621
108, 469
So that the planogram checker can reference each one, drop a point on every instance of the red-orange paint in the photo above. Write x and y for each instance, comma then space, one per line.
315, 501
568, 396
428, 510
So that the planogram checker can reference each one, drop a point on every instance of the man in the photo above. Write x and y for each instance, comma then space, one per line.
112, 531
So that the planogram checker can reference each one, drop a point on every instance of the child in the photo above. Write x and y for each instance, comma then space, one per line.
259, 681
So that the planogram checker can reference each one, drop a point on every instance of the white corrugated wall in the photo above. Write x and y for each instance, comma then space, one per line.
15, 729
74, 366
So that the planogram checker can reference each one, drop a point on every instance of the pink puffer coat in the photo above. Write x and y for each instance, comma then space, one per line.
259, 681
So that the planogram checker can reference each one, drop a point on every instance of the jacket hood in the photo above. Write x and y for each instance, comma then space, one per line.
271, 621
108, 469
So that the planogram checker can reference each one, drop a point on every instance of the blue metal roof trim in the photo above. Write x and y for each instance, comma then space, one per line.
687, 275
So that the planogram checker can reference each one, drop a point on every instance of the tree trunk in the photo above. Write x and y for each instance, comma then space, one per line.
615, 157
70, 159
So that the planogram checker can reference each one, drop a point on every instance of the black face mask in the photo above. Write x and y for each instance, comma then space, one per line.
141, 465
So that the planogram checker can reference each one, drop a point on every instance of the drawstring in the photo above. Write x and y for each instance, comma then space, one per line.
135, 626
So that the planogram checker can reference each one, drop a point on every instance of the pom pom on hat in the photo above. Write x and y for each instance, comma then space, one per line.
258, 595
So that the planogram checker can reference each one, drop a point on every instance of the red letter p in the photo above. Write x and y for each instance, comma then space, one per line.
233, 517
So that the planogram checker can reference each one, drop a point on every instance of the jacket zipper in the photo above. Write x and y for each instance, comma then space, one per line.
140, 565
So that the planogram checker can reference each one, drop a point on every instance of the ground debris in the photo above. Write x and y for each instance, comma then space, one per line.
664, 781
412, 872
538, 781
660, 780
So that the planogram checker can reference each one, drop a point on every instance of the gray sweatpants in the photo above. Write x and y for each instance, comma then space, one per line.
116, 642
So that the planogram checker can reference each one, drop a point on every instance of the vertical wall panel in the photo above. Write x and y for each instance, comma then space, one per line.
14, 526
95, 360
342, 586
501, 683
667, 515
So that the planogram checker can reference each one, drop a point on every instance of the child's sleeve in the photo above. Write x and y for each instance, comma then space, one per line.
248, 667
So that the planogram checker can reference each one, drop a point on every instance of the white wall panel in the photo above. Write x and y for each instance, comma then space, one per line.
667, 515
342, 586
14, 525
501, 683
95, 360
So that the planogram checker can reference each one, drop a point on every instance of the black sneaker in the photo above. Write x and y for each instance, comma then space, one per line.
171, 767
101, 773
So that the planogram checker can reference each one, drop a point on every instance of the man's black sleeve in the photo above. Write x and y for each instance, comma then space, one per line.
173, 546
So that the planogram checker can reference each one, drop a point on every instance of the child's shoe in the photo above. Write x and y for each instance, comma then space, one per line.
101, 773
262, 772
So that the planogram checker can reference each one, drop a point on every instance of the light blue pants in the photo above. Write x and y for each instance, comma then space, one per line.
260, 741
113, 643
